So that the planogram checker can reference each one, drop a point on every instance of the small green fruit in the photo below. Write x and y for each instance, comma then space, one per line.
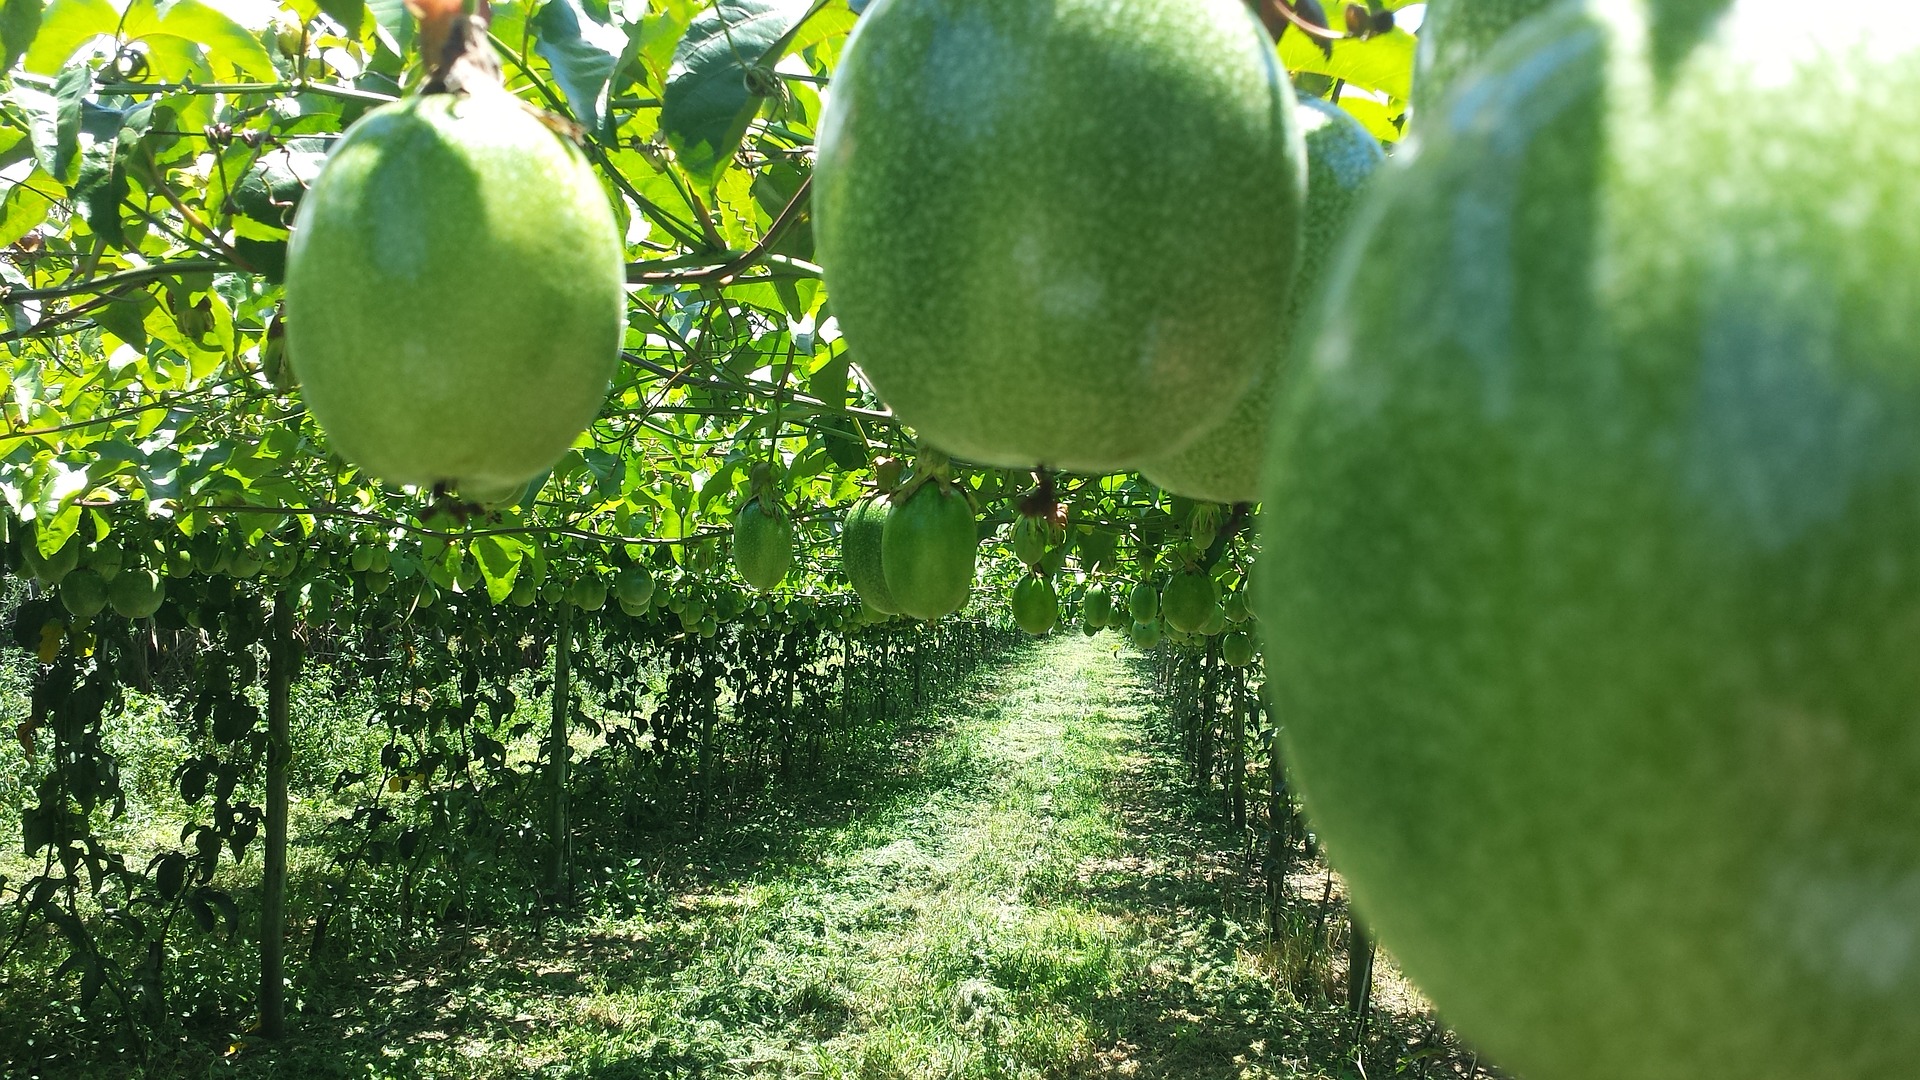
1146, 634
587, 592
1224, 463
762, 544
1096, 607
861, 553
634, 587
136, 593
83, 594
1143, 603
1237, 649
927, 550
1036, 607
1590, 572
1189, 600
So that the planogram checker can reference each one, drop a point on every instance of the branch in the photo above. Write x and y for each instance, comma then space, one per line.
113, 281
743, 261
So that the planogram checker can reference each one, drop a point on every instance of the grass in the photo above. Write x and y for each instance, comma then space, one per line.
1027, 891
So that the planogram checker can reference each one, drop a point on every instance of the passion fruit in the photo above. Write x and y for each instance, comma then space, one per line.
1036, 607
1189, 601
1096, 607
762, 543
860, 553
1143, 603
83, 594
927, 551
1224, 463
633, 587
987, 169
455, 293
136, 592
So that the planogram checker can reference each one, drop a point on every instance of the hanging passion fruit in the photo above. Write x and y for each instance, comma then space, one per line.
455, 292
927, 549
860, 553
986, 171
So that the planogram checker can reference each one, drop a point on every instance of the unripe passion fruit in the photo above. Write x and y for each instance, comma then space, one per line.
1143, 603
861, 557
762, 544
83, 594
1035, 605
987, 171
454, 293
634, 587
136, 592
1591, 556
927, 552
1189, 601
1097, 606
1225, 462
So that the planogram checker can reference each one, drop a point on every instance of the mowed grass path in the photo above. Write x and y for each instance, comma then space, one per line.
1032, 896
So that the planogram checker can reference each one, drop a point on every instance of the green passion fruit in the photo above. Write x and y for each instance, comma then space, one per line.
1224, 464
988, 171
1097, 605
136, 592
1036, 607
1143, 603
762, 544
928, 548
455, 293
860, 553
1145, 635
1189, 600
1454, 34
1591, 551
83, 594
633, 587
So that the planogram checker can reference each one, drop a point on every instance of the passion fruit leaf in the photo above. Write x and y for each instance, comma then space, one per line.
65, 25
19, 24
710, 94
53, 120
584, 54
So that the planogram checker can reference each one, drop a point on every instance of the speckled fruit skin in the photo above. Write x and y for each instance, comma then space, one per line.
1189, 600
1223, 465
1059, 233
861, 553
762, 545
454, 293
1591, 572
1035, 606
1453, 35
927, 551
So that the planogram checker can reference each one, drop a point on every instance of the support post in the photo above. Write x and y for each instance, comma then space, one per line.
273, 883
558, 752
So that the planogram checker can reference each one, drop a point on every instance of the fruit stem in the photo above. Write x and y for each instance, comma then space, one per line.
453, 44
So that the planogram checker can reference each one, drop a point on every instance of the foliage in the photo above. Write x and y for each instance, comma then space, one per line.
447, 767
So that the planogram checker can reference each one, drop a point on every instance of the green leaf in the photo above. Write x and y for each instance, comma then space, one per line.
1383, 63
64, 27
499, 558
710, 97
26, 205
226, 41
583, 54
19, 24
53, 121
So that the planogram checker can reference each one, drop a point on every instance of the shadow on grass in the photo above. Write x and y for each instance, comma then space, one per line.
1212, 1004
